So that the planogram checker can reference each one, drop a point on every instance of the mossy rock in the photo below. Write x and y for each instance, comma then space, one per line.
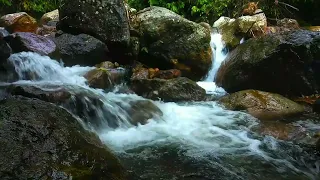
42, 141
286, 63
262, 105
170, 41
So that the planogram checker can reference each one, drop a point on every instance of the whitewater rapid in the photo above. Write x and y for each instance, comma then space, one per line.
198, 129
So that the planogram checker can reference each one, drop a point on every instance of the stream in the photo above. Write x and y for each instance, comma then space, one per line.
191, 140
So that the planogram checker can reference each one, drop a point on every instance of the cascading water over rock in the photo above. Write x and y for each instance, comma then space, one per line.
219, 54
195, 140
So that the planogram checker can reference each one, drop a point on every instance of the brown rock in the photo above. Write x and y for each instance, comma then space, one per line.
106, 65
99, 78
262, 105
19, 22
140, 73
169, 74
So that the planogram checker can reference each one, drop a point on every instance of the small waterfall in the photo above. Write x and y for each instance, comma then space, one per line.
219, 53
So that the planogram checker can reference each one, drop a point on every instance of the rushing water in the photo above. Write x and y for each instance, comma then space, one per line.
219, 53
191, 140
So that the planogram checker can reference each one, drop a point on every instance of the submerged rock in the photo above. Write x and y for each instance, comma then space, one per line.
25, 41
19, 22
81, 49
99, 78
171, 41
177, 89
105, 20
262, 105
42, 141
141, 111
288, 64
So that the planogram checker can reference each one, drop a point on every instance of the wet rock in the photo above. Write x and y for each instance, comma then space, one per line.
105, 20
58, 95
81, 49
262, 105
25, 41
50, 16
19, 22
143, 110
177, 89
99, 78
277, 129
5, 51
3, 32
169, 41
287, 64
51, 145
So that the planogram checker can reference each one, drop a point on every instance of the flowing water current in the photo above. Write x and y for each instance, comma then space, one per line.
191, 140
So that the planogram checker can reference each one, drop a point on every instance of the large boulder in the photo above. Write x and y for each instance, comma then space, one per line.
42, 141
81, 49
174, 90
169, 41
25, 41
105, 20
287, 64
262, 105
19, 22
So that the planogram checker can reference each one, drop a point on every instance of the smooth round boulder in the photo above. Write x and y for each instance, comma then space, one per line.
262, 105
81, 49
25, 41
169, 41
287, 64
42, 141
105, 20
172, 90
18, 22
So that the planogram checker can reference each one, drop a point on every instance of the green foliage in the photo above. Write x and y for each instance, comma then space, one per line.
40, 6
210, 10
199, 10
